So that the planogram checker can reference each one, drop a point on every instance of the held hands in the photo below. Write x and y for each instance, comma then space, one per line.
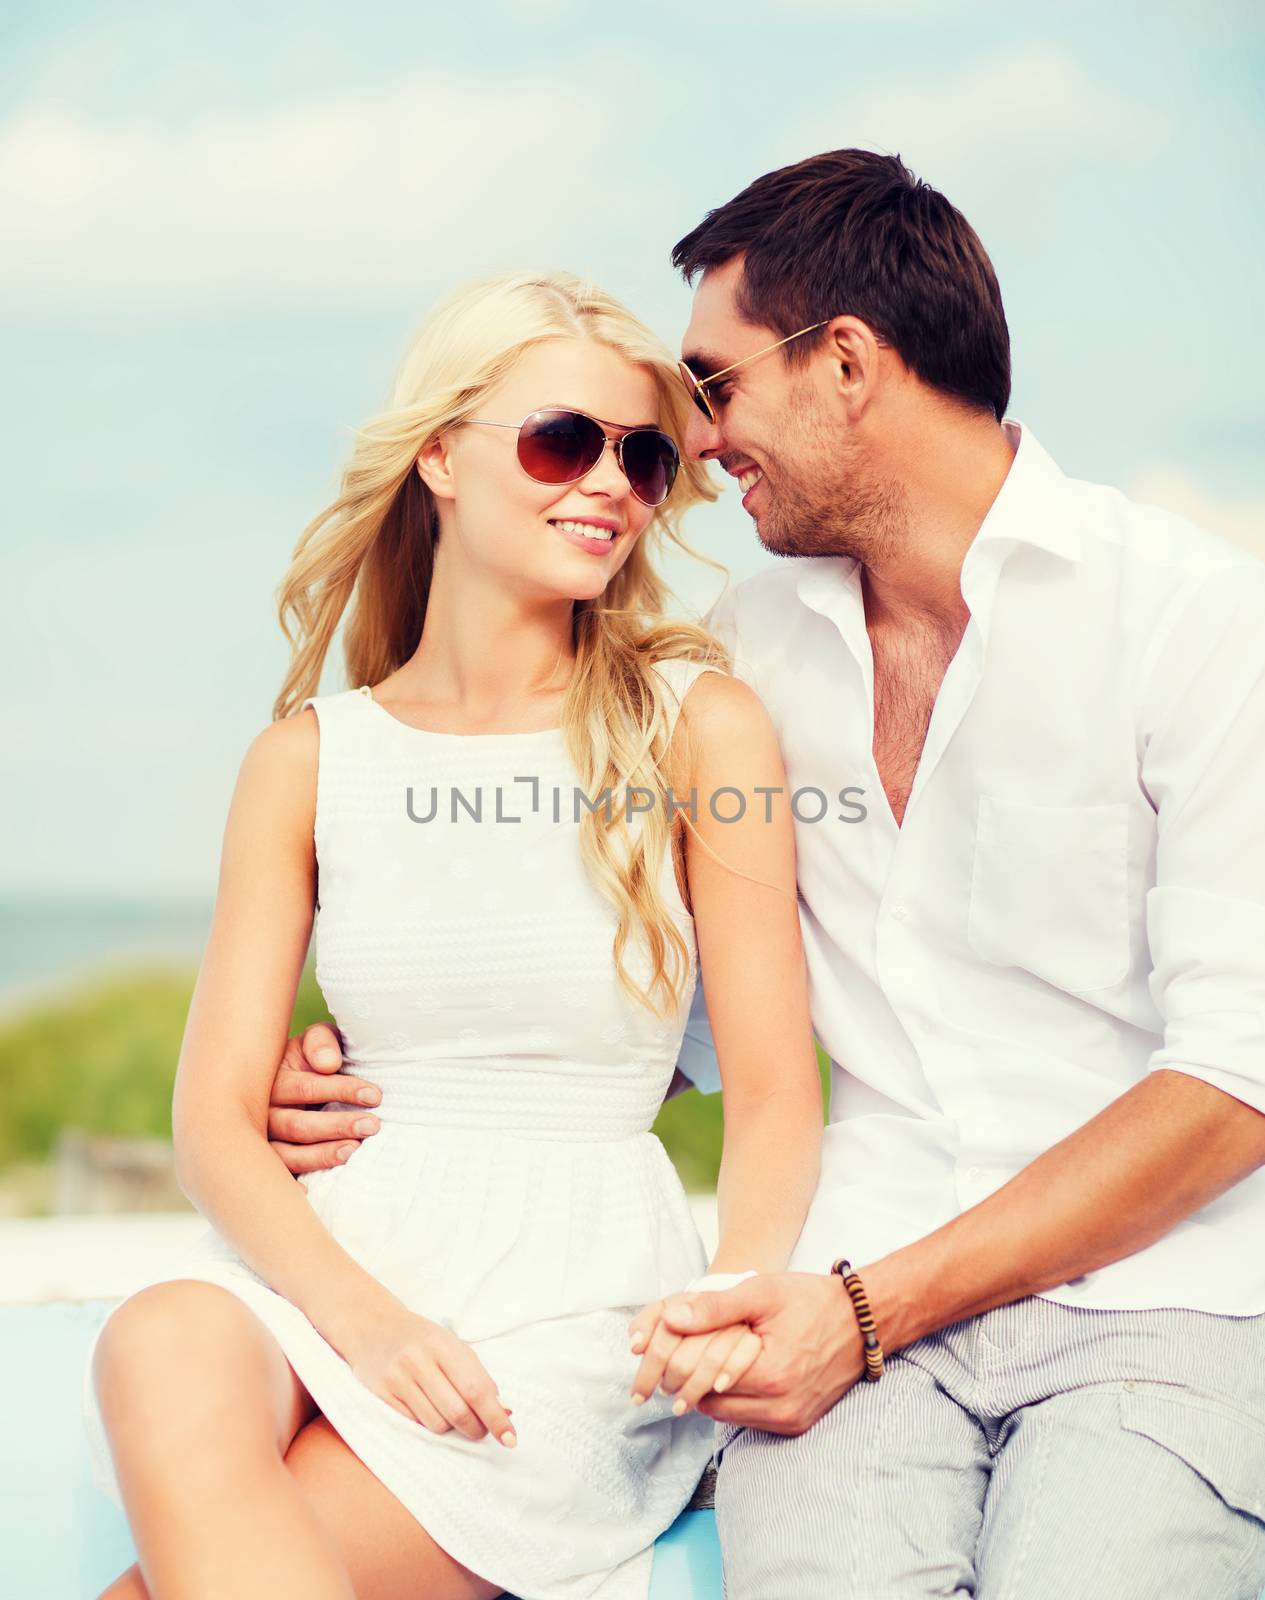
774, 1352
810, 1350
424, 1371
690, 1366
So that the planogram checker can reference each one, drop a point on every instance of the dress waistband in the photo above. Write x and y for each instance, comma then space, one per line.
558, 1101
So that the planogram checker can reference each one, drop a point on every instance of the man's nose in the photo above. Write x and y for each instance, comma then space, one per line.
703, 438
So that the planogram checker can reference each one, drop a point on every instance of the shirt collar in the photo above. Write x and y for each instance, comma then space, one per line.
1031, 507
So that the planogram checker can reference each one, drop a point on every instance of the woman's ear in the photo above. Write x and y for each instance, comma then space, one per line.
434, 467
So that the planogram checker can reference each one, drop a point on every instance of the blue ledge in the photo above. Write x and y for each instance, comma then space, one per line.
62, 1539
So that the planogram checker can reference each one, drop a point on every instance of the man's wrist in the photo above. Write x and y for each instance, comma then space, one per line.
898, 1312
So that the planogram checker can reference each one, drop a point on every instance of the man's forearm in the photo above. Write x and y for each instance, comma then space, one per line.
1156, 1155
235, 1179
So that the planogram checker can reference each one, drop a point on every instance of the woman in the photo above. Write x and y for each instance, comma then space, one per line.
412, 1373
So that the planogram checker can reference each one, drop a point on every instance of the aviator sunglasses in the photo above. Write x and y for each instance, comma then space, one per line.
558, 445
697, 387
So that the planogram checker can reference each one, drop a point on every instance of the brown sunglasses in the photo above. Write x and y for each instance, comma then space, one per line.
560, 445
697, 387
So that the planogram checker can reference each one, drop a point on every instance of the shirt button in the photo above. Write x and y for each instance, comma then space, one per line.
899, 912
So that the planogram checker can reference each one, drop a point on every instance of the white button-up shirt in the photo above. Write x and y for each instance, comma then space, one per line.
1076, 896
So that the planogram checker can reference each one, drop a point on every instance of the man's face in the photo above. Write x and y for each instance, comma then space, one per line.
781, 431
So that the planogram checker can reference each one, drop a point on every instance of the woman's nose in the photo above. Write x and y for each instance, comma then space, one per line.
606, 474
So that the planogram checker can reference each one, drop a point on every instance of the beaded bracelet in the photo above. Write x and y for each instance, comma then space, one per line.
865, 1317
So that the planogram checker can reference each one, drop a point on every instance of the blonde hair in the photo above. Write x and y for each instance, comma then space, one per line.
371, 554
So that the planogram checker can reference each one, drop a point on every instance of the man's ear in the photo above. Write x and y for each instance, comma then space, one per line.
853, 348
434, 467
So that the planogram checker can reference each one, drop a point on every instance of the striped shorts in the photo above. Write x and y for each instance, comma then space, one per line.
1036, 1452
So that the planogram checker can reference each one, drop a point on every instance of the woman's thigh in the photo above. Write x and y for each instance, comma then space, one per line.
386, 1551
187, 1359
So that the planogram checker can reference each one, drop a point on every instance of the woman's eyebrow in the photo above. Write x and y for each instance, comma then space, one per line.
620, 427
627, 427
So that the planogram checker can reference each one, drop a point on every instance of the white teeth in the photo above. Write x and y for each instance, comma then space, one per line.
749, 479
586, 530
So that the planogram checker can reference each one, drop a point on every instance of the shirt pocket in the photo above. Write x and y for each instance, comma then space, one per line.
1224, 1446
1050, 891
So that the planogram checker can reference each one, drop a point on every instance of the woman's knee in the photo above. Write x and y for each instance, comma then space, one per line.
185, 1355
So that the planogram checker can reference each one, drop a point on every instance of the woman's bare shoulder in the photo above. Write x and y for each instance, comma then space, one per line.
719, 708
727, 727
278, 770
289, 744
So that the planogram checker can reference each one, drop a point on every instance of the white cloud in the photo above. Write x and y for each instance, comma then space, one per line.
1241, 519
346, 198
1037, 99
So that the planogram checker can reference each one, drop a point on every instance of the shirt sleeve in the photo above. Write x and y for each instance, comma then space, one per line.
722, 620
697, 1059
1203, 768
741, 628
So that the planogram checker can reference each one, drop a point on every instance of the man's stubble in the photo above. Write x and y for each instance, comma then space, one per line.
824, 499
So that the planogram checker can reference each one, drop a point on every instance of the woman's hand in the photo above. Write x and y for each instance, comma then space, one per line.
424, 1371
690, 1365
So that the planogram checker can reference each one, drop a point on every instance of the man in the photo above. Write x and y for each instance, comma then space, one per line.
1024, 723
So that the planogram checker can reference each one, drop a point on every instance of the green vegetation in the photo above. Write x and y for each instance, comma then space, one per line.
103, 1058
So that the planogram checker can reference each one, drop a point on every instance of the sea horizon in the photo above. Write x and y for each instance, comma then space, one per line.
54, 941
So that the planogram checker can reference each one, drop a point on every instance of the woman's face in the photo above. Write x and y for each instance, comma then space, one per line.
503, 519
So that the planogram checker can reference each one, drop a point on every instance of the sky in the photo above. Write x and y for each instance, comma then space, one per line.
220, 223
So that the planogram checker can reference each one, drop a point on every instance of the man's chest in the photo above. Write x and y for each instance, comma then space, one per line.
909, 669
1036, 707
1028, 842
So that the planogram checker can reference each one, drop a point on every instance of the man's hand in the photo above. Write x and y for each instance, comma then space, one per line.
810, 1354
308, 1075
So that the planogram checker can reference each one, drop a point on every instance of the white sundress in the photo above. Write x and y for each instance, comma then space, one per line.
514, 1190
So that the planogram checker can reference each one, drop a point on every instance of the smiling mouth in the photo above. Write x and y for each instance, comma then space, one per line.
586, 530
748, 480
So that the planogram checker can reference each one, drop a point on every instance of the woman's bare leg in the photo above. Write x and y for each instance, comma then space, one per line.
387, 1552
200, 1405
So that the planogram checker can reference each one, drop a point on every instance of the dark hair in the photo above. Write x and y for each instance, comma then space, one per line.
856, 233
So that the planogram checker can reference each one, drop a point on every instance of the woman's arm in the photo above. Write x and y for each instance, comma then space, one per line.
752, 959
236, 1029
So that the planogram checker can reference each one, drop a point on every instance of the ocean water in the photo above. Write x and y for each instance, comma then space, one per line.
49, 942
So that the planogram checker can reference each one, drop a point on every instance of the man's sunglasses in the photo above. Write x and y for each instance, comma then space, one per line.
557, 445
698, 386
